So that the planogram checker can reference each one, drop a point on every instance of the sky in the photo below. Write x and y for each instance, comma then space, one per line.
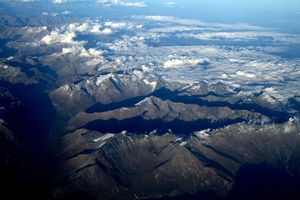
276, 13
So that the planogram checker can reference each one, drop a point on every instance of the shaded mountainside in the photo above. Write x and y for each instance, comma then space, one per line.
164, 143
126, 166
115, 136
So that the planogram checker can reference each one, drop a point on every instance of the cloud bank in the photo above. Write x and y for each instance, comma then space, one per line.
150, 46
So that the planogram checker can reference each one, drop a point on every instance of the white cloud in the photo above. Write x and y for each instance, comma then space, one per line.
66, 12
233, 60
248, 75
175, 63
69, 50
169, 4
135, 4
238, 67
106, 31
159, 18
55, 14
116, 25
81, 27
61, 1
96, 29
56, 37
170, 29
94, 52
195, 22
80, 51
66, 34
123, 3
244, 36
248, 68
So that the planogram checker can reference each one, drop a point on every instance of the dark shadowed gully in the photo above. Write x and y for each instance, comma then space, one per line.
139, 125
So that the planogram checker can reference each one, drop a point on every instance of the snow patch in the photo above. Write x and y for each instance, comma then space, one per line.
177, 140
203, 135
140, 102
102, 144
94, 62
10, 58
101, 78
152, 84
183, 143
105, 137
4, 66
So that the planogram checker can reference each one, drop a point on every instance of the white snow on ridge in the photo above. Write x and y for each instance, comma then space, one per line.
101, 78
152, 84
105, 137
183, 143
144, 100
203, 135
102, 144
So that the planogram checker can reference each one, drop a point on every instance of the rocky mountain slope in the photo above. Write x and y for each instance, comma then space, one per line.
170, 140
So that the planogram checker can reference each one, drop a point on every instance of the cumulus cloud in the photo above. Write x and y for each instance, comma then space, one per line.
116, 25
106, 31
96, 29
248, 75
84, 27
66, 34
80, 51
59, 38
175, 63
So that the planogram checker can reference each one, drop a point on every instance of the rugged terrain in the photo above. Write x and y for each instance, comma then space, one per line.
167, 140
74, 131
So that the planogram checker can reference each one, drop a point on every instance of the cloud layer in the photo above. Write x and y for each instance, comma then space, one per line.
186, 50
